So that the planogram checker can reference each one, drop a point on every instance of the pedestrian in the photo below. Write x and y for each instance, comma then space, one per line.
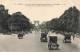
73, 37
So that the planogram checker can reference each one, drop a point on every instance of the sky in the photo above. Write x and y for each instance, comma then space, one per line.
42, 10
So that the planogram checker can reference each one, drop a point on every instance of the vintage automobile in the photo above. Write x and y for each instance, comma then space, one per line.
53, 45
43, 37
67, 38
20, 35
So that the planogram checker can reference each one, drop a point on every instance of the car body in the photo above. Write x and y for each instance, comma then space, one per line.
20, 35
43, 37
67, 38
53, 43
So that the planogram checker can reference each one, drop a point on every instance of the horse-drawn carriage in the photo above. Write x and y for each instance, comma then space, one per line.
43, 37
67, 38
53, 43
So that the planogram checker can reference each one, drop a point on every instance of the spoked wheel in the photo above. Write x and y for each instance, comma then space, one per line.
54, 48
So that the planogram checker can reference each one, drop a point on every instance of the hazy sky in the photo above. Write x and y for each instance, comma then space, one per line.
53, 9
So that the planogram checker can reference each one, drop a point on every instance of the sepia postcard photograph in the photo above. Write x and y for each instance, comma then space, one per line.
39, 25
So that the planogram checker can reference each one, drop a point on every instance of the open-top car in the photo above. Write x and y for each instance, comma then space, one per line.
43, 37
67, 38
53, 43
